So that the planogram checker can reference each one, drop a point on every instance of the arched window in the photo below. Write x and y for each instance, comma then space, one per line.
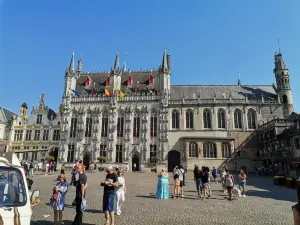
88, 126
193, 150
207, 118
153, 124
251, 116
238, 119
175, 119
226, 151
284, 99
221, 119
104, 129
209, 150
120, 124
189, 119
136, 124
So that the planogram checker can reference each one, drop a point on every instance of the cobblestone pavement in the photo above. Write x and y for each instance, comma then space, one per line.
265, 203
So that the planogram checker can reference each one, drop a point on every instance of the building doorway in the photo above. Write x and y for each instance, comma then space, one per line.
173, 160
136, 161
54, 153
86, 160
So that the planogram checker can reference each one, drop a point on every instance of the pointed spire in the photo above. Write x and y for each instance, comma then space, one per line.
72, 66
169, 59
239, 80
124, 64
164, 65
117, 64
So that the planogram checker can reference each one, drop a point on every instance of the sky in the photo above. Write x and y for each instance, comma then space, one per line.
211, 42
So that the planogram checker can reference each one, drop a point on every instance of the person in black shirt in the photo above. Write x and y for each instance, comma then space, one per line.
110, 184
197, 178
80, 194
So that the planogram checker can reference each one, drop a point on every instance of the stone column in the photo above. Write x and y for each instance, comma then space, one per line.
187, 145
219, 150
200, 149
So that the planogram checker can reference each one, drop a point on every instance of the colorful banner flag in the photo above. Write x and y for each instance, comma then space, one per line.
121, 94
108, 93
75, 92
107, 83
128, 82
94, 90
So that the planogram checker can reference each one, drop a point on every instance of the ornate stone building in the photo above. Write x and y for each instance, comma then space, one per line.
38, 136
139, 117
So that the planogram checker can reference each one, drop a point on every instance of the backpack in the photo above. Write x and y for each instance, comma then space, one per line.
229, 180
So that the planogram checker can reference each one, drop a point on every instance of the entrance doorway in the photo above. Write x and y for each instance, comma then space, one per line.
54, 153
136, 161
173, 160
86, 160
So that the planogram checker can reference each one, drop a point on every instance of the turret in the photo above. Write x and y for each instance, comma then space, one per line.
283, 85
164, 75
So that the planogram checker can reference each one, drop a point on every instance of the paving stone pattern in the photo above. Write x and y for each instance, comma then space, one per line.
265, 203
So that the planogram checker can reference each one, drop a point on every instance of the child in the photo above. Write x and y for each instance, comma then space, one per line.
242, 182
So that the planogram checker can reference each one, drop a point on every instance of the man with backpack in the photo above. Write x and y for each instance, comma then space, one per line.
229, 183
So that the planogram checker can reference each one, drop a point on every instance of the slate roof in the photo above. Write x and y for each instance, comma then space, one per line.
8, 114
253, 92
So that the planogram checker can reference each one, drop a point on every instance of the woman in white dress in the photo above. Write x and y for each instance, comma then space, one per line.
121, 191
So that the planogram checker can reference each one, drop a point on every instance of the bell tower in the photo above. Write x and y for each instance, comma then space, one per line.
283, 85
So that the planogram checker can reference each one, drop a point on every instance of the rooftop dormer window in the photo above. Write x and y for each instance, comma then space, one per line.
39, 119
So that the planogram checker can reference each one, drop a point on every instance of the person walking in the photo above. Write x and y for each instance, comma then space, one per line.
197, 178
62, 169
162, 191
121, 191
214, 174
61, 190
180, 172
80, 195
242, 182
110, 184
229, 183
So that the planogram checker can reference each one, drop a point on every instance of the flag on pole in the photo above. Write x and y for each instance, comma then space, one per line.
128, 82
88, 81
121, 94
108, 93
94, 90
107, 83
75, 92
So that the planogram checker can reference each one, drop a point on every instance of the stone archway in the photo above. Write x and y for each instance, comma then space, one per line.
54, 153
136, 160
173, 160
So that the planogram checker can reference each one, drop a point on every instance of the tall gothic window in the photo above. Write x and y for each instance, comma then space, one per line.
104, 127
120, 124
193, 151
189, 119
175, 119
251, 117
207, 118
119, 155
46, 135
221, 119
103, 151
39, 119
73, 128
136, 124
226, 151
153, 124
153, 153
71, 152
238, 119
209, 150
88, 127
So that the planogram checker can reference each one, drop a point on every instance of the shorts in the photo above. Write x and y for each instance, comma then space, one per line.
109, 202
242, 184
181, 183
229, 188
177, 182
206, 185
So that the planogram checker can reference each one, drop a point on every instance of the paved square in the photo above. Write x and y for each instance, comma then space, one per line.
265, 203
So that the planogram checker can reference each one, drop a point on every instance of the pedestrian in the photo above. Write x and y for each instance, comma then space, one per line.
205, 182
58, 205
121, 191
209, 178
80, 194
197, 178
62, 169
134, 167
242, 182
162, 191
54, 166
223, 175
31, 169
214, 174
110, 184
180, 172
229, 183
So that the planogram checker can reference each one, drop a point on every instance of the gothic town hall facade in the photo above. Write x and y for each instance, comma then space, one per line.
139, 117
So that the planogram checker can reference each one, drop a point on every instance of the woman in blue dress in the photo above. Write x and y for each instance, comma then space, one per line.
58, 205
162, 191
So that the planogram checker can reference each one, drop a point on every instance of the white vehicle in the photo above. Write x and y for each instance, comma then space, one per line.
15, 202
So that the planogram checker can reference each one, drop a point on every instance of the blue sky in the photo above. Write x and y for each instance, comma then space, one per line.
210, 41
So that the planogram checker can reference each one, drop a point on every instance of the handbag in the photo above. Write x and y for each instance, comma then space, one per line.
83, 205
54, 197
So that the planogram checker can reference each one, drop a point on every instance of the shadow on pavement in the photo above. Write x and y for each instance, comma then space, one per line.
146, 196
66, 222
